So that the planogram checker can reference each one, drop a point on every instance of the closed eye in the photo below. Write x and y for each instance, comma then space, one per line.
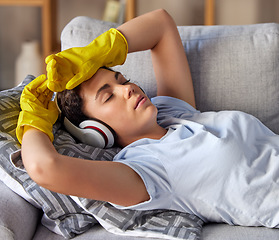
117, 77
120, 78
108, 97
111, 95
127, 81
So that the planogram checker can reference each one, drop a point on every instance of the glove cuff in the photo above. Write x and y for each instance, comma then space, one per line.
29, 119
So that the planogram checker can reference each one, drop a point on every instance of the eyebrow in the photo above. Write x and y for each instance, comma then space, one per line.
105, 86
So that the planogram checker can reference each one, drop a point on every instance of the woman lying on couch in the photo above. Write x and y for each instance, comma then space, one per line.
220, 166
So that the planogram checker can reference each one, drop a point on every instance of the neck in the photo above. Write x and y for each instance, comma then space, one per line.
156, 132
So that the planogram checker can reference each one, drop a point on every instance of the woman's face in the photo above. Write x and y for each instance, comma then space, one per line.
109, 97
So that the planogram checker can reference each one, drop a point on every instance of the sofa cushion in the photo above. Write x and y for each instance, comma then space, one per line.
233, 67
18, 218
219, 231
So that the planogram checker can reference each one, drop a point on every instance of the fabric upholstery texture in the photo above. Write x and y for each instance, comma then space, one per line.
235, 68
18, 218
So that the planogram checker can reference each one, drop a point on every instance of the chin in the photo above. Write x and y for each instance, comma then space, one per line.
150, 118
154, 112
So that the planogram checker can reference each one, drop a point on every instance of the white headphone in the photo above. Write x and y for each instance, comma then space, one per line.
91, 132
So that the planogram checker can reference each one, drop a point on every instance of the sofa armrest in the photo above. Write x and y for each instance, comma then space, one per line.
18, 218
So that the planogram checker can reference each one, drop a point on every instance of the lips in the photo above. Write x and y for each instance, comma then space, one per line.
140, 101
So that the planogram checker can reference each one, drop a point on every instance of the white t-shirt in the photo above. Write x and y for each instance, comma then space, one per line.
221, 166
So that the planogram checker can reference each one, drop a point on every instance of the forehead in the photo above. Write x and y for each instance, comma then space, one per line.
101, 77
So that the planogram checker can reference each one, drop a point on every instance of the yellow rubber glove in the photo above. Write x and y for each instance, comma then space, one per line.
71, 67
38, 110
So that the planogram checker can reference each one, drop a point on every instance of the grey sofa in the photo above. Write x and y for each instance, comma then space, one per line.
233, 67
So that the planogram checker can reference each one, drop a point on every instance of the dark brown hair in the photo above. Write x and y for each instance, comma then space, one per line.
71, 105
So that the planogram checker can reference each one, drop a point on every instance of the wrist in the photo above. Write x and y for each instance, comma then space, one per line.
29, 121
26, 128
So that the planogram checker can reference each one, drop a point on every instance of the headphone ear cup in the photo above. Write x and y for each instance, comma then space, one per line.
92, 127
91, 132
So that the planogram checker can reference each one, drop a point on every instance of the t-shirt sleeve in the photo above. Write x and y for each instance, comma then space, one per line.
152, 173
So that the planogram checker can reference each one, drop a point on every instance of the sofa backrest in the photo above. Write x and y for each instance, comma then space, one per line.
233, 67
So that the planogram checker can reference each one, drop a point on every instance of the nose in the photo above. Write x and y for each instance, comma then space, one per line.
127, 90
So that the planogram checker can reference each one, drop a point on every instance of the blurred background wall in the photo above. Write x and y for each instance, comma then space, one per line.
18, 24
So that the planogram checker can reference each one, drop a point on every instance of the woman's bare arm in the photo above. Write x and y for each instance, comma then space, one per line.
157, 31
100, 180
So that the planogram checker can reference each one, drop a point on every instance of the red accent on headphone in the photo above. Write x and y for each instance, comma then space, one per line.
100, 131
